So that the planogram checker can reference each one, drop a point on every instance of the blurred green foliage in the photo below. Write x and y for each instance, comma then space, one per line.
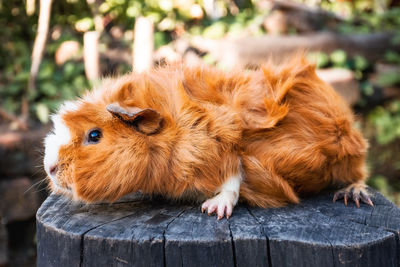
54, 83
367, 22
70, 18
386, 122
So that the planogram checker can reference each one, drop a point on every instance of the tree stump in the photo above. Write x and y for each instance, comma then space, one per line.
143, 232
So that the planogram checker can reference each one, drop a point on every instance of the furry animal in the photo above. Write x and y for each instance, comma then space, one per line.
267, 137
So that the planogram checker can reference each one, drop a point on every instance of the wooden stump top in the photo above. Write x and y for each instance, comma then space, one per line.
142, 232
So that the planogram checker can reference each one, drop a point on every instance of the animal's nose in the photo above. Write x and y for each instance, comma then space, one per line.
53, 169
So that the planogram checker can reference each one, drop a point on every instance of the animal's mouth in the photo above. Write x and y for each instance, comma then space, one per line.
60, 188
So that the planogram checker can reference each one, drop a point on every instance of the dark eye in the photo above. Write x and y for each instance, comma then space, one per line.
94, 136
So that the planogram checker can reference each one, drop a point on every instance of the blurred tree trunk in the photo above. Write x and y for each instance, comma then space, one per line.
37, 54
143, 45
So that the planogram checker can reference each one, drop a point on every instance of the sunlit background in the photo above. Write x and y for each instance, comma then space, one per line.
354, 44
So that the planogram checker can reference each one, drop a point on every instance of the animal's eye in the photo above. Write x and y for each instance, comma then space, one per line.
94, 136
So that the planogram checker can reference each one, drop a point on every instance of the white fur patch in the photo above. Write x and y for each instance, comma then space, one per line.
59, 136
69, 106
232, 185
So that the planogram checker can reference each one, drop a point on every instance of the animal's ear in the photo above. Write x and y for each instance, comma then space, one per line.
147, 121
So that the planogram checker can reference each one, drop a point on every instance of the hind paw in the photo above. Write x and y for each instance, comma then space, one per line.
356, 192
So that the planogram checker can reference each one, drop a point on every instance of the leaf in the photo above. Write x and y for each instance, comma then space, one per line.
215, 31
339, 58
84, 24
360, 62
48, 89
392, 57
46, 70
388, 79
209, 59
160, 39
379, 182
320, 59
42, 113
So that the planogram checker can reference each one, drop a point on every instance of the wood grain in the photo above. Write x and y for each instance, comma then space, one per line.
141, 232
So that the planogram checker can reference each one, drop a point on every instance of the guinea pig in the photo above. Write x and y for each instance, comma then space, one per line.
266, 137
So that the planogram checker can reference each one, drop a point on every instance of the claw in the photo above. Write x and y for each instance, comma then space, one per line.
338, 195
356, 198
221, 212
222, 204
365, 198
211, 209
345, 199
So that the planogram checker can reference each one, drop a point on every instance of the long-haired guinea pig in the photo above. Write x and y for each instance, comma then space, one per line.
266, 137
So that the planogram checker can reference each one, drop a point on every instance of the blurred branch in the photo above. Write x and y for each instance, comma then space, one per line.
10, 117
37, 53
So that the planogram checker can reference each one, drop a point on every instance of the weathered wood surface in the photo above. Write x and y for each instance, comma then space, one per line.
141, 232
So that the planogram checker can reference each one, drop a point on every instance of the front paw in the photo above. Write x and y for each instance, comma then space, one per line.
222, 204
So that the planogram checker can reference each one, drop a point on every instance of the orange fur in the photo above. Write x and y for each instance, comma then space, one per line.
288, 131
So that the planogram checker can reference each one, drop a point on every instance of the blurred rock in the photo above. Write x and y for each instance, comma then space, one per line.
21, 243
191, 58
3, 245
117, 32
18, 200
66, 51
196, 12
385, 79
287, 15
276, 23
21, 152
181, 45
343, 82
167, 54
56, 32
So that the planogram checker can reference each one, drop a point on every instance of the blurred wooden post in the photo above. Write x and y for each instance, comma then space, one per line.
94, 6
143, 44
91, 55
30, 7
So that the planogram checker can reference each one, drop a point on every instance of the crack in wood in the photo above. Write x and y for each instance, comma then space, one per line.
91, 229
264, 234
233, 245
166, 228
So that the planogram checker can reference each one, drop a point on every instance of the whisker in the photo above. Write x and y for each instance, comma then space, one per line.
37, 191
35, 184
